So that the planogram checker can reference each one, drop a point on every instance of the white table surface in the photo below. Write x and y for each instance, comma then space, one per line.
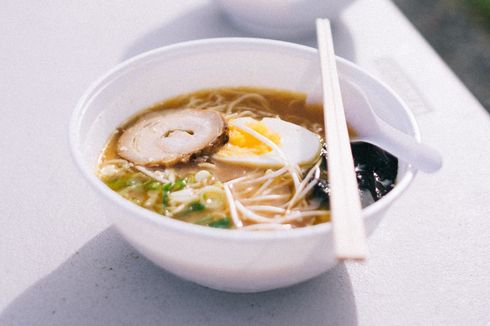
62, 264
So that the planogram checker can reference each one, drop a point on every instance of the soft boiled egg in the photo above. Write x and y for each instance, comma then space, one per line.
269, 143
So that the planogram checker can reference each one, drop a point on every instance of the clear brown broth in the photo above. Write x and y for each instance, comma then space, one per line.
288, 105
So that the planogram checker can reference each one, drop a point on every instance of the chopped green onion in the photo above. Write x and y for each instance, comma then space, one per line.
224, 223
117, 184
191, 178
152, 185
165, 199
179, 184
192, 208
165, 190
121, 183
167, 186
196, 207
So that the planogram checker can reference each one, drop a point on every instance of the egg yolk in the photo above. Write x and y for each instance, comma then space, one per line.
248, 143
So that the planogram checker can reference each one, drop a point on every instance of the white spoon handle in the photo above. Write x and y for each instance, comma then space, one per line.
407, 149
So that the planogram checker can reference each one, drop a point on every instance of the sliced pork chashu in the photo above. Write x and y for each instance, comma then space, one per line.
168, 137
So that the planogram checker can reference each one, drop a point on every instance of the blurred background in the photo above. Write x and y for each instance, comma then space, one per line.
459, 30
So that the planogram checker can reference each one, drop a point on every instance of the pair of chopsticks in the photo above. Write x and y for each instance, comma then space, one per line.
345, 204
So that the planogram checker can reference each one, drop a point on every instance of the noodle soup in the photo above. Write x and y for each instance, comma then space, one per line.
234, 158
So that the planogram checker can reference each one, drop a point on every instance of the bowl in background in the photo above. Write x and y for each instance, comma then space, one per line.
230, 260
290, 19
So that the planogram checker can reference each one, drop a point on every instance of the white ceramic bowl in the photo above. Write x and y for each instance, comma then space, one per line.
229, 260
290, 19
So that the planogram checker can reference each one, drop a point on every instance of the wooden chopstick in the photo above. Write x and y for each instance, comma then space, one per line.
345, 204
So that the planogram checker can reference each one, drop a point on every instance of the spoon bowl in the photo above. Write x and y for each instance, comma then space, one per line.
372, 129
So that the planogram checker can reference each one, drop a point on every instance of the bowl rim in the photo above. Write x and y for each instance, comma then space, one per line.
146, 216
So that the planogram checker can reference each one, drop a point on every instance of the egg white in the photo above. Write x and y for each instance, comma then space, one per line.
298, 145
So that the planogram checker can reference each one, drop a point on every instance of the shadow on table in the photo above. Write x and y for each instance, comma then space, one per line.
207, 21
107, 283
